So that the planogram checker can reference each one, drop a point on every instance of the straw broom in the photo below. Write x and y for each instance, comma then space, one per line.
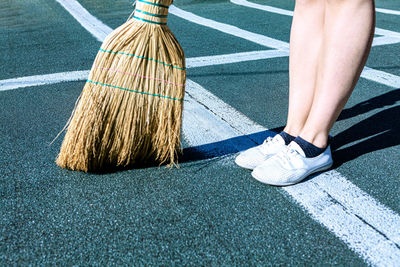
130, 110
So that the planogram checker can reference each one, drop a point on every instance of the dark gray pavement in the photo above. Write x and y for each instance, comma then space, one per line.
207, 212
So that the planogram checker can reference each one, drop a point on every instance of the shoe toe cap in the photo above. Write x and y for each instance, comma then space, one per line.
271, 174
249, 159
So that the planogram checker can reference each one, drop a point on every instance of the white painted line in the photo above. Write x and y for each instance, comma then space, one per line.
361, 204
381, 77
368, 73
270, 9
366, 226
234, 58
388, 11
37, 80
329, 197
388, 33
383, 41
220, 109
194, 62
97, 28
290, 13
229, 29
200, 126
346, 220
362, 238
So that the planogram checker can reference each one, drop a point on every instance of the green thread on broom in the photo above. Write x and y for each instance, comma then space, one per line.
151, 14
130, 90
122, 53
149, 21
154, 4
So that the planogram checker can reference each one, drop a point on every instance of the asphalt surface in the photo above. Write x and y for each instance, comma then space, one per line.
208, 211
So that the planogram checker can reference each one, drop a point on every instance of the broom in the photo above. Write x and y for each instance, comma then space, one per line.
130, 109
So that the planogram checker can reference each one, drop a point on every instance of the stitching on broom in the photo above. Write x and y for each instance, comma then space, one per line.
122, 53
154, 22
130, 90
137, 75
151, 14
154, 4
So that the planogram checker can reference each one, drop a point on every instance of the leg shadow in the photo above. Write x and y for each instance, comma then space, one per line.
379, 131
384, 100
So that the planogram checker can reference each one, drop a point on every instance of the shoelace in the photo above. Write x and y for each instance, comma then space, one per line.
286, 156
267, 142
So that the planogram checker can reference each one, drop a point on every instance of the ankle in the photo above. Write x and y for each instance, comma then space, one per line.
287, 137
319, 140
310, 150
293, 131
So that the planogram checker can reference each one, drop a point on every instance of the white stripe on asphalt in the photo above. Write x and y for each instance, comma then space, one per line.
229, 29
381, 77
36, 80
384, 32
367, 226
290, 13
389, 37
368, 73
100, 31
347, 220
97, 28
385, 40
194, 62
263, 7
388, 11
234, 58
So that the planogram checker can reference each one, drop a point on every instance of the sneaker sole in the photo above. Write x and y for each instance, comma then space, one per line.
320, 169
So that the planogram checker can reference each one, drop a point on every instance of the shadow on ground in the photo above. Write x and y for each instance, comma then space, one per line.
379, 131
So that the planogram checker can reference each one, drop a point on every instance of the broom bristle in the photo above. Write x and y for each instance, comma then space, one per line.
130, 110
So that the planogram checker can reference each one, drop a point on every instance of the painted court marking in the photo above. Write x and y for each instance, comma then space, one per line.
343, 208
37, 80
389, 37
368, 73
97, 28
381, 77
388, 11
367, 226
290, 13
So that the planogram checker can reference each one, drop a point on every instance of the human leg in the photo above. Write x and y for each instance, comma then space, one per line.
306, 39
307, 22
347, 37
348, 32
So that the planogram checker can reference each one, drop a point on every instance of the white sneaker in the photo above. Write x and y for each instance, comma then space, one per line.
291, 166
254, 156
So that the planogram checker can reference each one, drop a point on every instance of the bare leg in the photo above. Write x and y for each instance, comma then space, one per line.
306, 39
348, 32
